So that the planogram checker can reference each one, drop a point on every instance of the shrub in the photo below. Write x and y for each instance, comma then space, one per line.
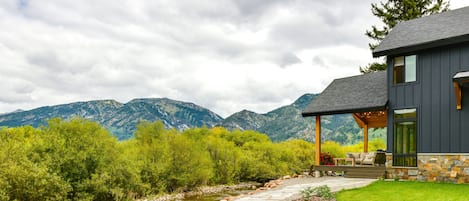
225, 157
326, 159
334, 149
320, 191
302, 154
308, 193
190, 165
80, 160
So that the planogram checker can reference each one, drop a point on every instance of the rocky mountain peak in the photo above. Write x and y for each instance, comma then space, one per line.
121, 119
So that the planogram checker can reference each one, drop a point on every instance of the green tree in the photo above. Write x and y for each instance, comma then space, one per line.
24, 173
373, 67
80, 152
191, 165
225, 158
302, 151
242, 137
152, 154
391, 12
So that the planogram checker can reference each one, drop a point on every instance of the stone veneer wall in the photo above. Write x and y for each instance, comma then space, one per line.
452, 168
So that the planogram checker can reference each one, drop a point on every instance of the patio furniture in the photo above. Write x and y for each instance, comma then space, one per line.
363, 158
380, 158
337, 160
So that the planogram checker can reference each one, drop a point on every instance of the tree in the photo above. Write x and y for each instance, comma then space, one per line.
391, 13
80, 152
373, 67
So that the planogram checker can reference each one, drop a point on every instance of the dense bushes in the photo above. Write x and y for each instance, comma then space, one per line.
79, 160
63, 160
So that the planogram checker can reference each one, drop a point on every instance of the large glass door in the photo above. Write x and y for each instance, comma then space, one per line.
405, 138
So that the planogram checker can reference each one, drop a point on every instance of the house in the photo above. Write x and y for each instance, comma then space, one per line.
426, 100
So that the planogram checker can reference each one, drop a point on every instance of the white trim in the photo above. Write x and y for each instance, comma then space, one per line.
405, 111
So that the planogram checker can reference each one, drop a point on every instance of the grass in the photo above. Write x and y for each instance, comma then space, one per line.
406, 191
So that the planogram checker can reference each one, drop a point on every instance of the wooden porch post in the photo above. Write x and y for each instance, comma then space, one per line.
318, 141
363, 124
457, 90
365, 138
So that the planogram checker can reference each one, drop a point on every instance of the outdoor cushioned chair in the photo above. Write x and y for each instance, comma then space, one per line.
363, 158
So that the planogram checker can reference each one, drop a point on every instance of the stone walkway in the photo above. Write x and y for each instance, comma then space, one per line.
290, 189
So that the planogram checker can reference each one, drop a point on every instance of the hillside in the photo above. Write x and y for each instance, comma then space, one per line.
93, 110
121, 119
173, 114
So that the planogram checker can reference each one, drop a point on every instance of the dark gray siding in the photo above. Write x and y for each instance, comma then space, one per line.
441, 128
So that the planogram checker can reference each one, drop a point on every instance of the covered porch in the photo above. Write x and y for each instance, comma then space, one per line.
363, 96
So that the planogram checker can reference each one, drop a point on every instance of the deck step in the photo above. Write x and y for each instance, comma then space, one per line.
371, 172
367, 176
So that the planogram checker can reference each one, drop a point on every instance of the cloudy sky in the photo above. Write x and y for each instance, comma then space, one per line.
225, 55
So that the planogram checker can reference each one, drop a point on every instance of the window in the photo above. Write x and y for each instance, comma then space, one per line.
405, 69
405, 138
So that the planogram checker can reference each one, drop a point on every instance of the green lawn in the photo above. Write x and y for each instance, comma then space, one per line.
406, 190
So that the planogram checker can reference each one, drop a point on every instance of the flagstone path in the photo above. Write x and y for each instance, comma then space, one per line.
290, 189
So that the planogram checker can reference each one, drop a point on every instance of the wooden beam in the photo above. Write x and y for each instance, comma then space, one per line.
318, 141
377, 123
457, 90
365, 138
361, 123
374, 120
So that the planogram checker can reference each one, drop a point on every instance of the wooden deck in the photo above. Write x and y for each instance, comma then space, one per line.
371, 172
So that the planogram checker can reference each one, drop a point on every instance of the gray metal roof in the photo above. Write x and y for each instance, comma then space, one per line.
436, 30
361, 93
462, 76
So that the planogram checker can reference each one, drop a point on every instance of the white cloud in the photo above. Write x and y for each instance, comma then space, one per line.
226, 55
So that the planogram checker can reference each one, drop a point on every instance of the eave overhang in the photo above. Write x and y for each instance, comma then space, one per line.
421, 46
345, 111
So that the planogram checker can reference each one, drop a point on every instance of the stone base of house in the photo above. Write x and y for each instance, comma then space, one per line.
437, 167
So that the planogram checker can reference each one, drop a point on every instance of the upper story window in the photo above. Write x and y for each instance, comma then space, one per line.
405, 69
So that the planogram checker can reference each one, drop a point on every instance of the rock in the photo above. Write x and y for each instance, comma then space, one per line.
454, 173
286, 177
229, 198
272, 184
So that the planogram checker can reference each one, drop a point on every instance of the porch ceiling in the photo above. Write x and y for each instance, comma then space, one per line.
373, 119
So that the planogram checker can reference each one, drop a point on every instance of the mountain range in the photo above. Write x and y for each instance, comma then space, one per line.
121, 119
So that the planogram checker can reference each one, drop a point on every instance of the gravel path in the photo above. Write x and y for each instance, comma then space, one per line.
290, 188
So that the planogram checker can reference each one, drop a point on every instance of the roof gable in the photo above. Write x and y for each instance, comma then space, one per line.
367, 92
426, 32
